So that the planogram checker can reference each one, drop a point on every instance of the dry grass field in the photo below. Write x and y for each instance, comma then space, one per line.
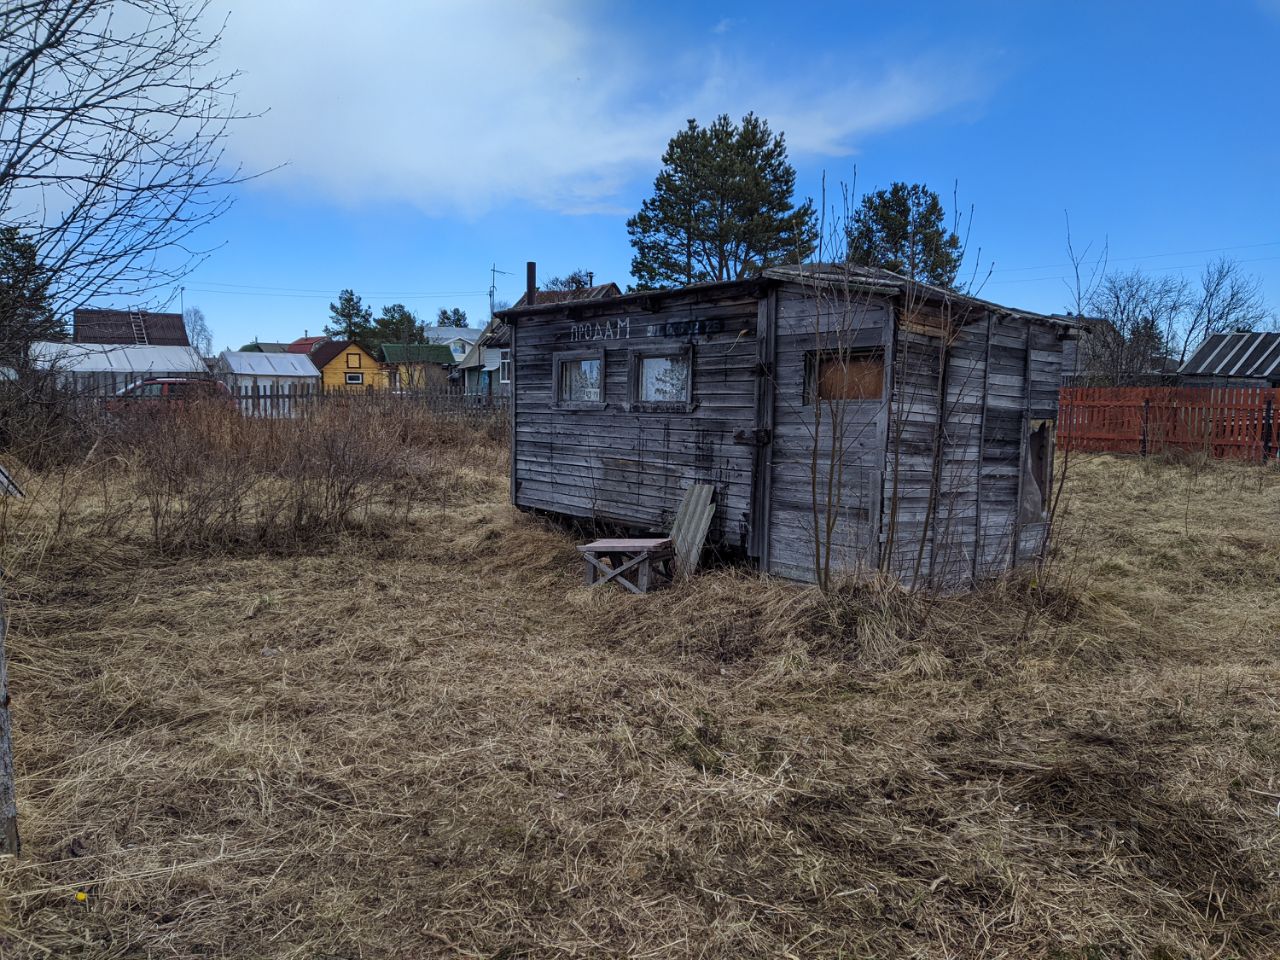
422, 737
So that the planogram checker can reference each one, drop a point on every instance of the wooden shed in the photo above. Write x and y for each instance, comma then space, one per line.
849, 419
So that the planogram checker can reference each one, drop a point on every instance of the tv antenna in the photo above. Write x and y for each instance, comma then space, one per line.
493, 284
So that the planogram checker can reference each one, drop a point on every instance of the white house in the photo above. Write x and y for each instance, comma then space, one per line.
458, 339
267, 383
486, 369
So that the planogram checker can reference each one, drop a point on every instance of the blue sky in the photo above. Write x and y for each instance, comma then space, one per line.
425, 142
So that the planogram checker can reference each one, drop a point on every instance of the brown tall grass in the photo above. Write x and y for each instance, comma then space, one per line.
434, 741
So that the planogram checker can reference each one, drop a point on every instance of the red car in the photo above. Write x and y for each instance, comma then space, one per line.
160, 392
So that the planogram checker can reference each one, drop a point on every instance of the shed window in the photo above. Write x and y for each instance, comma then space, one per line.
504, 366
353, 360
355, 378
578, 380
844, 375
661, 378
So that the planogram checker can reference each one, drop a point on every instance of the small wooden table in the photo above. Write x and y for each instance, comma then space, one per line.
637, 565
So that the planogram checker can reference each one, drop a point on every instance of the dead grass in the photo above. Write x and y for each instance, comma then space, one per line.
435, 742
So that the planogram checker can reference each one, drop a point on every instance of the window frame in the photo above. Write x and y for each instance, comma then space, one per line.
558, 360
504, 365
635, 362
813, 365
357, 365
357, 382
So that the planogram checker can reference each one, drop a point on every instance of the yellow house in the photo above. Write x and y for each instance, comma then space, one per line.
345, 365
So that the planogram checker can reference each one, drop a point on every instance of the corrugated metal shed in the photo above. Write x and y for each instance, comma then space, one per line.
250, 363
1236, 355
115, 358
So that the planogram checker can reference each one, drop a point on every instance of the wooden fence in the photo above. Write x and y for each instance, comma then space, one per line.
1226, 423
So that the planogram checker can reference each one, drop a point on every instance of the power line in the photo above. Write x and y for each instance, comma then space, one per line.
329, 292
1165, 269
454, 295
1147, 256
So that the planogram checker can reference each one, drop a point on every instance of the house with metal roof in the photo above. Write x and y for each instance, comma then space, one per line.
1235, 360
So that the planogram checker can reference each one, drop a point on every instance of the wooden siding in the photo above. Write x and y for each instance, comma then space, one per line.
627, 466
958, 501
847, 435
333, 376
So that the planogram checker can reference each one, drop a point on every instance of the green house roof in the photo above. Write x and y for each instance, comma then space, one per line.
417, 353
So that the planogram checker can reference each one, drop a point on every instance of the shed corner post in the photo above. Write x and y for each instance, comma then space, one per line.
10, 843
511, 414
762, 451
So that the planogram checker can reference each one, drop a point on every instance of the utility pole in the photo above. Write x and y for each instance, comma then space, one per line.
493, 285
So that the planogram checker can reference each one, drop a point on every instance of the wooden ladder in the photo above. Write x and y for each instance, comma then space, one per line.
139, 327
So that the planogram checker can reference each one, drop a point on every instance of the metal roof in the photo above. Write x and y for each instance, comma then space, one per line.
115, 358
1255, 355
251, 363
417, 353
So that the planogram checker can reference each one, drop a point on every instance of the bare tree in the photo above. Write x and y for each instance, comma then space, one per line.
112, 127
1144, 315
198, 332
1228, 301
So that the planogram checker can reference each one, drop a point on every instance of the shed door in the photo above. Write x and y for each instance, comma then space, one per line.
828, 442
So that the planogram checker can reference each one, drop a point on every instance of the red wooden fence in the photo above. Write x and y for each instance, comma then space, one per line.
1236, 423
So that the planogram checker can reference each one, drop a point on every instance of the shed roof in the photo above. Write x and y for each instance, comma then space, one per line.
863, 279
417, 353
1254, 355
115, 358
90, 325
264, 346
255, 364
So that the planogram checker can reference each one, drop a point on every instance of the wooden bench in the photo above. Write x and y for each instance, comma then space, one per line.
642, 564
637, 565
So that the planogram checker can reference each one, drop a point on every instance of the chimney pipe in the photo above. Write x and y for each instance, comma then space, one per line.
530, 283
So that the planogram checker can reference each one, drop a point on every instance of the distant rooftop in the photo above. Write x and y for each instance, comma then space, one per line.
1253, 355
600, 291
417, 353
125, 327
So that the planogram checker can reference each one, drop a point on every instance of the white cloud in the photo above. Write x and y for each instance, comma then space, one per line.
461, 106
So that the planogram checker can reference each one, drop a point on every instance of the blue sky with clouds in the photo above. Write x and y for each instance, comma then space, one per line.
424, 142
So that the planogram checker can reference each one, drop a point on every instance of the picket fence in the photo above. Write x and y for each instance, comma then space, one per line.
1225, 423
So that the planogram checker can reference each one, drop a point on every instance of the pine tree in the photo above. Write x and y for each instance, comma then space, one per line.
722, 207
350, 319
398, 324
457, 317
903, 229
25, 315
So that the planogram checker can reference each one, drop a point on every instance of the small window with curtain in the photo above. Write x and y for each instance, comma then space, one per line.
839, 375
578, 380
661, 379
